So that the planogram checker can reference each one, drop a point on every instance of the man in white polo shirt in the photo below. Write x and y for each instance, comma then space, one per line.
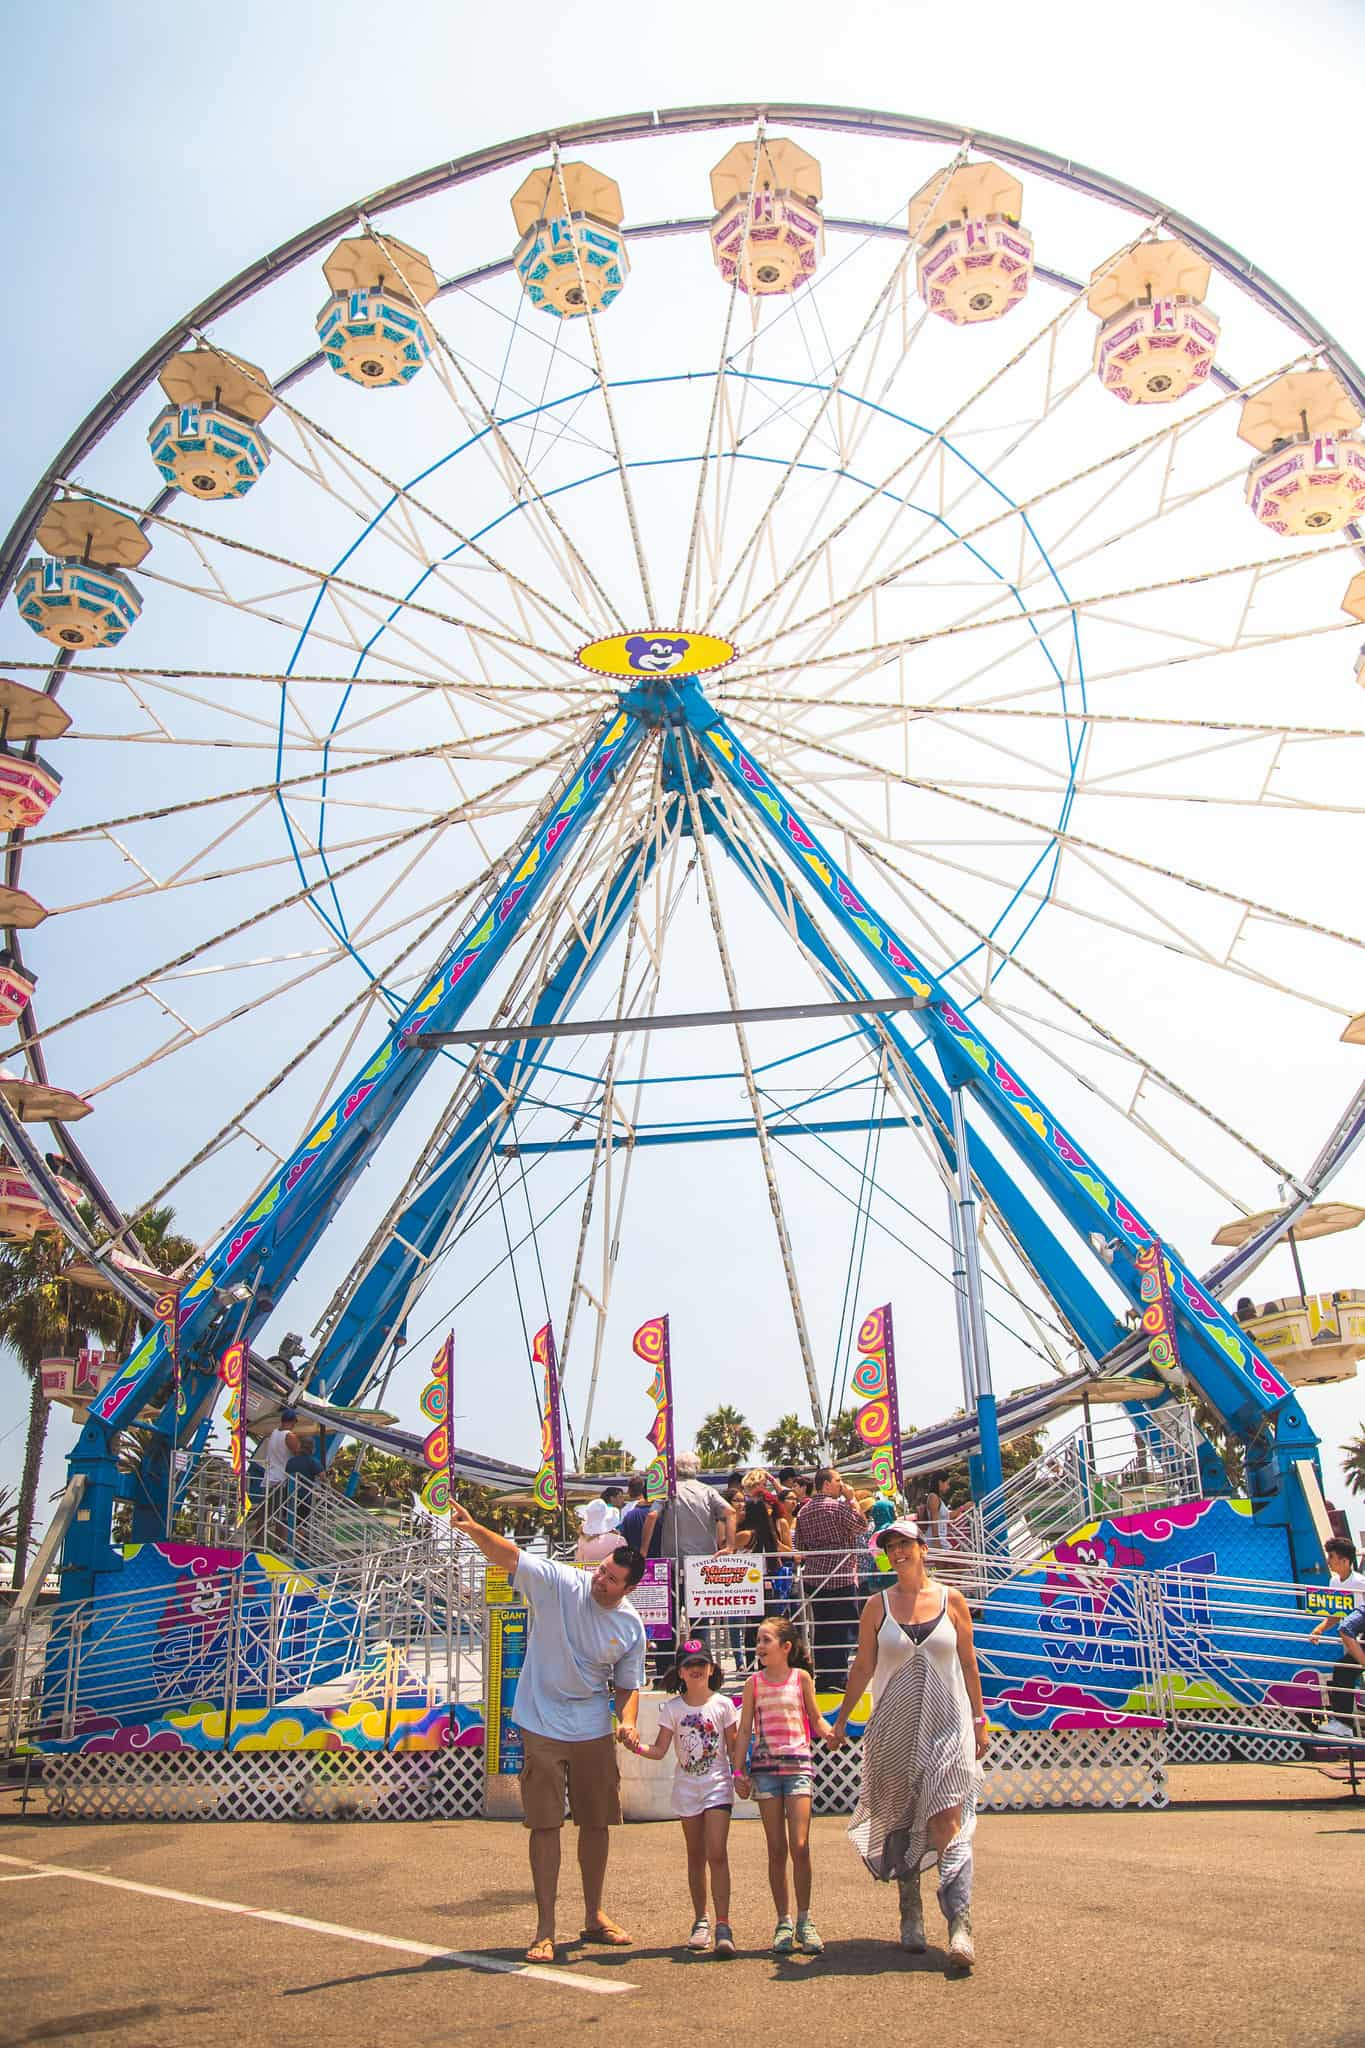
585, 1639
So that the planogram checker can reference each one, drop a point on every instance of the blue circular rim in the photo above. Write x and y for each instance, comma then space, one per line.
1046, 860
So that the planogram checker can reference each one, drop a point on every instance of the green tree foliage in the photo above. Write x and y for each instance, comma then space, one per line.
843, 1435
1353, 1458
1231, 1450
955, 1485
608, 1454
46, 1314
724, 1438
790, 1442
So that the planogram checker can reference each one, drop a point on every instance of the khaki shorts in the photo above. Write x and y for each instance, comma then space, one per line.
592, 1774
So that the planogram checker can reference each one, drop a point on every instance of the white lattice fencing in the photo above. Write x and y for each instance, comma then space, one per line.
1035, 1768
347, 1784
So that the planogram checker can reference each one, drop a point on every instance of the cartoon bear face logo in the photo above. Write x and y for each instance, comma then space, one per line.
655, 657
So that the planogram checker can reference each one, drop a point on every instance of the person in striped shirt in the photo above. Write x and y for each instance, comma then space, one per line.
780, 1713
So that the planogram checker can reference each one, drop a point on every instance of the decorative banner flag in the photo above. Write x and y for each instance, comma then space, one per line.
167, 1312
1158, 1310
232, 1372
439, 1449
650, 1342
874, 1378
549, 1486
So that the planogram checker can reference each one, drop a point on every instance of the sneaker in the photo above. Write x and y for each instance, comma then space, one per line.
1332, 1726
725, 1940
784, 1938
808, 1937
961, 1949
912, 1915
700, 1937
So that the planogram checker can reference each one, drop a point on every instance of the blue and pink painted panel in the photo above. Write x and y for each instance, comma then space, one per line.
165, 1631
1084, 1642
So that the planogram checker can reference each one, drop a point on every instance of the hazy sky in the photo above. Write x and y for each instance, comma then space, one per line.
149, 153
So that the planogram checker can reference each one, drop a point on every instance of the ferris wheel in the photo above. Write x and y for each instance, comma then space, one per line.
945, 550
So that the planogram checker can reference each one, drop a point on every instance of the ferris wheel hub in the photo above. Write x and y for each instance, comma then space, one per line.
654, 653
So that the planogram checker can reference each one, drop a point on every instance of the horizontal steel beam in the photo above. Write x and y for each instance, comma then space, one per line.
777, 1128
597, 1027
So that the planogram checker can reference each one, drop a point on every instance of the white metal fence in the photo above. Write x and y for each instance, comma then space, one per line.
1220, 1668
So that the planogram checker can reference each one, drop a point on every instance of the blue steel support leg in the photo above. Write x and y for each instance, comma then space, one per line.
1096, 1326
343, 1364
988, 1428
262, 1251
1218, 1355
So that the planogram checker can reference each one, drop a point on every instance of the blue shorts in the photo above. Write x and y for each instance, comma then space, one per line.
782, 1785
1354, 1624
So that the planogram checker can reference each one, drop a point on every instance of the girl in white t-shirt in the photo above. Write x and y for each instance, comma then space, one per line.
700, 1725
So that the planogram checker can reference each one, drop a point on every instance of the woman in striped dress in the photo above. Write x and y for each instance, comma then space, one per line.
921, 1748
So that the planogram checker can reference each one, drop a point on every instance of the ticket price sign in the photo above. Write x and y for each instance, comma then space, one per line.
504, 1654
724, 1586
652, 1599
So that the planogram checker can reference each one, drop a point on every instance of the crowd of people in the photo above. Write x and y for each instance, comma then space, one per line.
811, 1529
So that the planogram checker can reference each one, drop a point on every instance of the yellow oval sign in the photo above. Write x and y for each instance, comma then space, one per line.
643, 657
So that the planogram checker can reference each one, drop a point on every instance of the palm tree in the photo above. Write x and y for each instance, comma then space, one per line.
790, 1442
43, 1312
9, 1518
608, 1454
843, 1434
1353, 1457
724, 1438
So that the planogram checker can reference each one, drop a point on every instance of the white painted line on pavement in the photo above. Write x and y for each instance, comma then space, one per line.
26, 1876
470, 1958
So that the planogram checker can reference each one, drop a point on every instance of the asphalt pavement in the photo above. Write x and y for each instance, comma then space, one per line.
1233, 1917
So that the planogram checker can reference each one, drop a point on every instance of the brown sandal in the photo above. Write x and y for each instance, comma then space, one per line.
541, 1951
607, 1935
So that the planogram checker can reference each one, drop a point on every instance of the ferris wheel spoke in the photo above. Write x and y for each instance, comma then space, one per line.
1169, 937
1005, 707
610, 1118
1145, 1067
808, 434
1081, 844
1161, 437
1062, 611
912, 468
934, 443
358, 1006
332, 583
816, 288
604, 389
718, 384
399, 512
447, 360
250, 923
1148, 1068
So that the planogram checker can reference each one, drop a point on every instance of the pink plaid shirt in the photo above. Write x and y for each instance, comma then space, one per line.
827, 1529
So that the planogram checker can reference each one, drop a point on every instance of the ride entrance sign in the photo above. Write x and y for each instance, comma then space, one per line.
722, 1586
